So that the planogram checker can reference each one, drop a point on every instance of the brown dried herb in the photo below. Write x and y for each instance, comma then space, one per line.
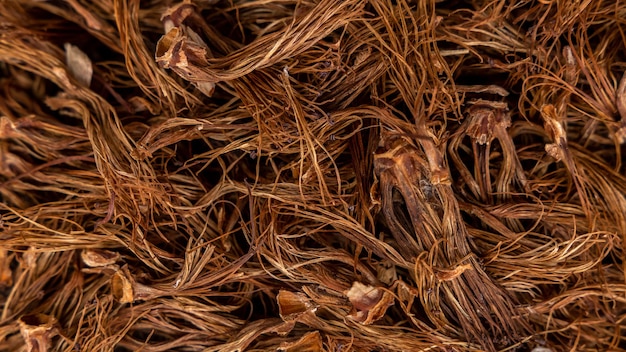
306, 175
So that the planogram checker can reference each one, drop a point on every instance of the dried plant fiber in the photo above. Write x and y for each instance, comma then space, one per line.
312, 175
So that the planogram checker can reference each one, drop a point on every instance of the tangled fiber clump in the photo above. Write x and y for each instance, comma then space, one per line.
308, 175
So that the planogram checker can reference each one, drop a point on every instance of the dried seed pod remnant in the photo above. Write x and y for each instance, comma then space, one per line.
38, 331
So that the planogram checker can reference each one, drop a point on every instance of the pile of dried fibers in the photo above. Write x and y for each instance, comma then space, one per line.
312, 175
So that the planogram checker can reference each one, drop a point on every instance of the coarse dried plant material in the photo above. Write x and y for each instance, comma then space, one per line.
431, 227
312, 175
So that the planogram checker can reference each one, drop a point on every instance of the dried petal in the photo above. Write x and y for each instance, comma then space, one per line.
207, 88
620, 134
99, 257
369, 303
293, 306
552, 124
78, 64
7, 128
177, 51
